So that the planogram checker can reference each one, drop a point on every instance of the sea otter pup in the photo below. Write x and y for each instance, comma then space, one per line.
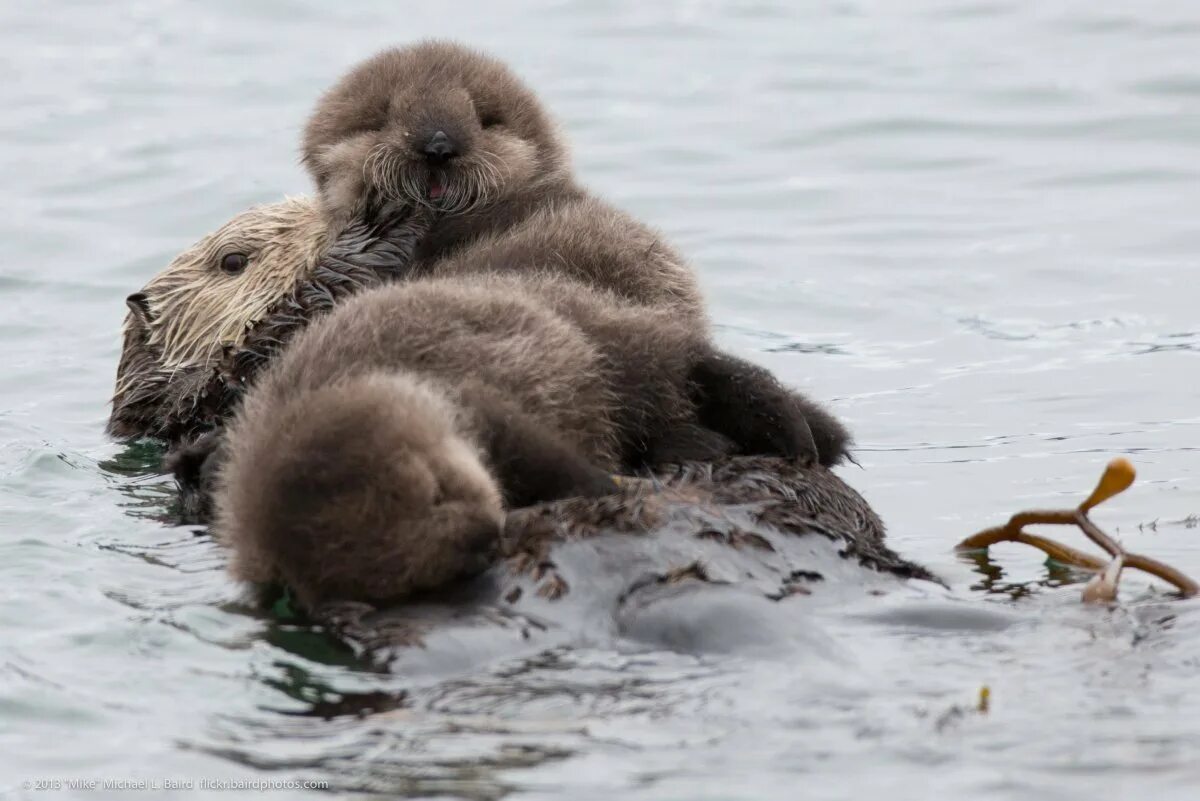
375, 457
441, 126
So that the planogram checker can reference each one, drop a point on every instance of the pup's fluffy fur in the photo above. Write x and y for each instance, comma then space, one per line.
441, 125
375, 458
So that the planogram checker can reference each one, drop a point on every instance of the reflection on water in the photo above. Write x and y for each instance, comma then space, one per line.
970, 227
994, 580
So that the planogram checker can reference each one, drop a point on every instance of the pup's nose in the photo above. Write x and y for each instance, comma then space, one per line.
440, 149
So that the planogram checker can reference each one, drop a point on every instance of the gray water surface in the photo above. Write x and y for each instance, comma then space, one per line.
971, 227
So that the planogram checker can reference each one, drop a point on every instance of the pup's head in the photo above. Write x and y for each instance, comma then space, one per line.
361, 489
180, 323
432, 124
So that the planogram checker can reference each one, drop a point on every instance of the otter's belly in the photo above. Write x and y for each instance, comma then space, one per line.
703, 560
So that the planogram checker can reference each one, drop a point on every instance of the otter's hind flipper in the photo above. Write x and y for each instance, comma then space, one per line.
746, 403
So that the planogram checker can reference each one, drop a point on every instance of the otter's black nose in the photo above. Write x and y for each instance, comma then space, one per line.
440, 149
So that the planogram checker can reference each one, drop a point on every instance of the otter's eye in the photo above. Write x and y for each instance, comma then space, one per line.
490, 120
234, 263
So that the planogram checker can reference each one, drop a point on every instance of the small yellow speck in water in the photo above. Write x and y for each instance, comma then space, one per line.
985, 697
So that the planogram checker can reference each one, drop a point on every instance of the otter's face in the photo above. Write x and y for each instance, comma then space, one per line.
180, 322
434, 124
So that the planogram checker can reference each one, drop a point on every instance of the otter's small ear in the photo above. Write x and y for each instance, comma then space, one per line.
139, 304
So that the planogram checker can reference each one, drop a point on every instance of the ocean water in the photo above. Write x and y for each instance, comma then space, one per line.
969, 225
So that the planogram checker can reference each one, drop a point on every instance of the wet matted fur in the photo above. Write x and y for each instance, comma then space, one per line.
195, 336
647, 562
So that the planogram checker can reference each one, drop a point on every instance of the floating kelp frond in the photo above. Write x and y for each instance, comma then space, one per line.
1118, 476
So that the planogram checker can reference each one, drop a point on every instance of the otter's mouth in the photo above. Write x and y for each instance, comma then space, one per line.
437, 187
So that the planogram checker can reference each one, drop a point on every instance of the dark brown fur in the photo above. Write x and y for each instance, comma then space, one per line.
374, 458
510, 203
510, 199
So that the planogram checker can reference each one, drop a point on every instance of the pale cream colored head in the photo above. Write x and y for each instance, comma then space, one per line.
185, 317
206, 296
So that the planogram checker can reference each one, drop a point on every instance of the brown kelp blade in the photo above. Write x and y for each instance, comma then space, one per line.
1102, 588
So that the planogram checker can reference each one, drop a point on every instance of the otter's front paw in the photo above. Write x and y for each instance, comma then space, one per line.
342, 201
195, 465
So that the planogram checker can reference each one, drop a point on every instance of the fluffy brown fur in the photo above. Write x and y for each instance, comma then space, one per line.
439, 125
374, 458
506, 195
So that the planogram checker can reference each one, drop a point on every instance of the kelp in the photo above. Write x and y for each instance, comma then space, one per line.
1102, 588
